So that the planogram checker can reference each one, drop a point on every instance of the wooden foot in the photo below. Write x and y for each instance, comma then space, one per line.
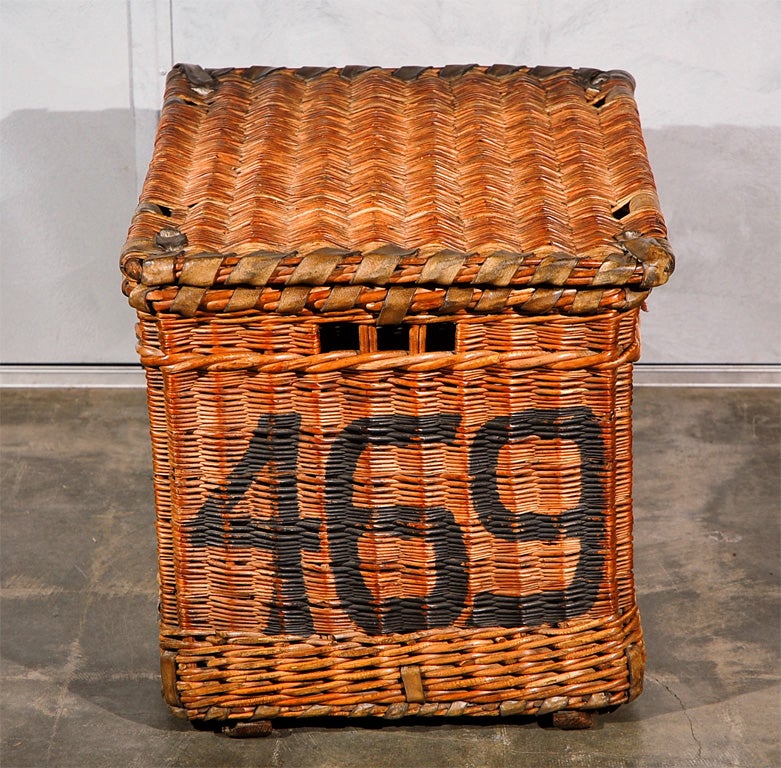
249, 729
572, 719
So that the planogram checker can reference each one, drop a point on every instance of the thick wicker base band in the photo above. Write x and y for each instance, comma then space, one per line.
593, 665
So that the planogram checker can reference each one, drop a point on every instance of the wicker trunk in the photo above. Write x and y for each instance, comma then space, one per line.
388, 320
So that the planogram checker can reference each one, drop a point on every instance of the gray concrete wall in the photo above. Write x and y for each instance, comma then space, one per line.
83, 80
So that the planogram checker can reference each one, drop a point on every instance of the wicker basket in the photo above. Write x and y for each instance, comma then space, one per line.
388, 320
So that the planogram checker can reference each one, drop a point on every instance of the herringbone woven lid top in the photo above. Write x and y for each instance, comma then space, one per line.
473, 188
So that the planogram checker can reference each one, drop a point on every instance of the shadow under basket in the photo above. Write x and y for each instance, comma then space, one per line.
389, 374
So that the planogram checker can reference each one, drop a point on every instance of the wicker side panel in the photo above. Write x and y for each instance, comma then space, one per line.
347, 516
623, 543
458, 491
148, 336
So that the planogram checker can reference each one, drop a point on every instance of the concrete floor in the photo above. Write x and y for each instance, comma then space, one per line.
79, 643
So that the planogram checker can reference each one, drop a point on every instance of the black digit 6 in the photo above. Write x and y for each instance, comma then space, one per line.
346, 523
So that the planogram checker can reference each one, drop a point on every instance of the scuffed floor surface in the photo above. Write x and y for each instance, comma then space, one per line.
78, 624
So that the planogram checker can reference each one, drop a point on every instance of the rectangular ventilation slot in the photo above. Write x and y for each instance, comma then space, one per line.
392, 337
440, 337
339, 336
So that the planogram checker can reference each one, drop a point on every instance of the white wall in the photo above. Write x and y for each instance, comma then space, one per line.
83, 81
68, 185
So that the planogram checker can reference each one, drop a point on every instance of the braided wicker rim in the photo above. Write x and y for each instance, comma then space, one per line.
537, 196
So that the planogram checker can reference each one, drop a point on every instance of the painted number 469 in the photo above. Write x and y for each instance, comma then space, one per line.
275, 446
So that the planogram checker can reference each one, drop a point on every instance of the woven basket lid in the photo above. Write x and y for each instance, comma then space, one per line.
409, 191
